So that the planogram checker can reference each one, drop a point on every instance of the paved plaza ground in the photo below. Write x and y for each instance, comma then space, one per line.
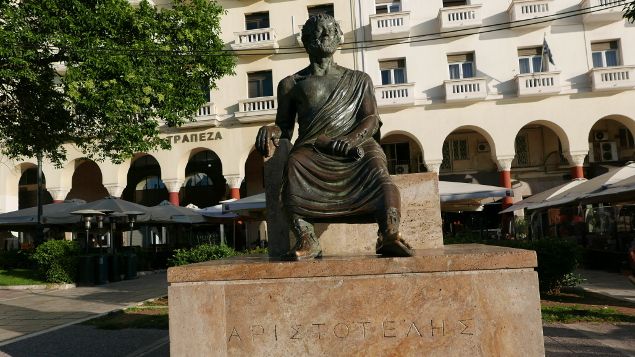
46, 322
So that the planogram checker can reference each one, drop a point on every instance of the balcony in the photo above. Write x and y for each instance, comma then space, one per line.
206, 112
459, 18
612, 78
394, 95
256, 109
385, 26
537, 84
603, 10
457, 90
255, 39
526, 10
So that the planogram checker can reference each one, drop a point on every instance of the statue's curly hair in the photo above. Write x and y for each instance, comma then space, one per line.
311, 24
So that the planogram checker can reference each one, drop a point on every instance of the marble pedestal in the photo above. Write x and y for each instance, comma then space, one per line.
459, 300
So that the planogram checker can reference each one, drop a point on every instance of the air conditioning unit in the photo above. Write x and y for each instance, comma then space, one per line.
608, 151
401, 169
600, 135
482, 147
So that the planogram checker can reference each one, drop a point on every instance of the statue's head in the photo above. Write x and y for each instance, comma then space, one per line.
321, 35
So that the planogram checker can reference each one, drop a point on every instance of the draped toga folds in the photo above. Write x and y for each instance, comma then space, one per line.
325, 187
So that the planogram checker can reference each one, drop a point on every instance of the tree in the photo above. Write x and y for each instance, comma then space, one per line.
629, 13
103, 74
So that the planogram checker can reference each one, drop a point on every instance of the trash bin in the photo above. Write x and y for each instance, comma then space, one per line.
86, 270
114, 267
130, 265
101, 269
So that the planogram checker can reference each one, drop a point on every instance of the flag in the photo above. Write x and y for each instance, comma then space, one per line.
546, 51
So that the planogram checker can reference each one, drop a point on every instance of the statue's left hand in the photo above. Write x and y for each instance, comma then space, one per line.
341, 146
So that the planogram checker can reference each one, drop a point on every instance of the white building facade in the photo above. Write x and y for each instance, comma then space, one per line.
464, 88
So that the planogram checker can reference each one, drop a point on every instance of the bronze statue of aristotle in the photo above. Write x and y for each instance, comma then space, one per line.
336, 171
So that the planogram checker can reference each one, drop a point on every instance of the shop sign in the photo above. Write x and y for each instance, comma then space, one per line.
194, 137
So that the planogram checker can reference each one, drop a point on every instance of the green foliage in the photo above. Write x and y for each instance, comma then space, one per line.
13, 259
101, 74
57, 260
256, 251
20, 277
629, 13
571, 314
201, 253
557, 258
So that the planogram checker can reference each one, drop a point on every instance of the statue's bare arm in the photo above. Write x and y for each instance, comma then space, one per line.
285, 120
368, 124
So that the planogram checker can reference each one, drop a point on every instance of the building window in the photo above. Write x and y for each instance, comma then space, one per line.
461, 65
393, 71
398, 157
626, 139
321, 9
521, 147
387, 6
605, 54
198, 179
260, 84
257, 20
530, 60
450, 3
150, 183
453, 150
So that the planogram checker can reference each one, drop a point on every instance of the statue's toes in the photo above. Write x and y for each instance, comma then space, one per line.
395, 248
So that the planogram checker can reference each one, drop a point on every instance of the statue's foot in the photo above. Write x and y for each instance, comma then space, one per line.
306, 248
392, 245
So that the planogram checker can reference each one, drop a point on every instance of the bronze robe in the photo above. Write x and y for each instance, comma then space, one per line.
325, 187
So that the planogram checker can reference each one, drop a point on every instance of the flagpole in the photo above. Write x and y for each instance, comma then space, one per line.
542, 58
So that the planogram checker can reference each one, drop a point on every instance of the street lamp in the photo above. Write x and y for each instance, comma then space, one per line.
87, 214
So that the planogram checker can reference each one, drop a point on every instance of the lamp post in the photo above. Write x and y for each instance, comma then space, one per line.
132, 218
131, 257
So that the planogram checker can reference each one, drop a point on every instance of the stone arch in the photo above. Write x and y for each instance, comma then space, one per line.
86, 182
550, 153
254, 174
611, 140
142, 167
469, 154
27, 186
403, 151
204, 183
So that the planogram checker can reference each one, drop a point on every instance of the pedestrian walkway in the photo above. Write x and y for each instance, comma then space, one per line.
613, 285
28, 312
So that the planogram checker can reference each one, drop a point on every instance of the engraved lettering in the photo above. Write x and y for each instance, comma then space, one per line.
389, 331
234, 333
177, 138
436, 327
319, 332
218, 136
193, 138
296, 333
275, 332
256, 330
341, 330
467, 324
210, 135
169, 139
364, 323
201, 137
186, 139
413, 326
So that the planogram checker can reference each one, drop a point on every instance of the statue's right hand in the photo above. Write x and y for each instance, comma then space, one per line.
267, 135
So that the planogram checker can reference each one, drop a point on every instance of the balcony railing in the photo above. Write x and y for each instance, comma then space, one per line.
603, 10
613, 78
390, 25
206, 111
534, 84
256, 109
395, 94
255, 39
459, 17
525, 10
465, 89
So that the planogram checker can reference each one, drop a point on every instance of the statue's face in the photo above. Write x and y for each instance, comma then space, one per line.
324, 41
